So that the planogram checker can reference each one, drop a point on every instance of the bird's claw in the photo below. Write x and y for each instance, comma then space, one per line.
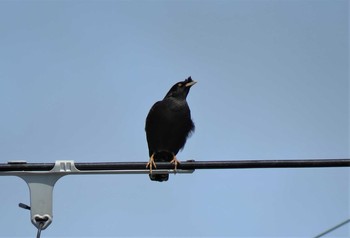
175, 162
151, 163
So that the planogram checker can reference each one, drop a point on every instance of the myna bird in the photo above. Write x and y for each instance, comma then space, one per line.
168, 125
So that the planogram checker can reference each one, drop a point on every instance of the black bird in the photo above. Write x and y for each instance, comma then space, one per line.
168, 124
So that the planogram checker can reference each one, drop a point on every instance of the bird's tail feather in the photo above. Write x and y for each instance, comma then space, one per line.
161, 157
159, 177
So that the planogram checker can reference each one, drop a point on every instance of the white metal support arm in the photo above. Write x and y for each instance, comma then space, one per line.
41, 184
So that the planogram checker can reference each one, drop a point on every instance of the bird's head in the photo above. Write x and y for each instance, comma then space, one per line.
181, 89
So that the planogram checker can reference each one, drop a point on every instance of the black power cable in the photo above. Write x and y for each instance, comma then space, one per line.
186, 165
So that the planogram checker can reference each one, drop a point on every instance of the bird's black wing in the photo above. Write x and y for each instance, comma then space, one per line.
167, 128
153, 123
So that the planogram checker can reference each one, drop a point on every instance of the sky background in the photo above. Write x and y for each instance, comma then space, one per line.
77, 79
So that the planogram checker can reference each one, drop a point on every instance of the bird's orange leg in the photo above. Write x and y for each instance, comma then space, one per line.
151, 163
175, 161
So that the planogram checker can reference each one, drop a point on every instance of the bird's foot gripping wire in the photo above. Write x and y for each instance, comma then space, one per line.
175, 162
151, 163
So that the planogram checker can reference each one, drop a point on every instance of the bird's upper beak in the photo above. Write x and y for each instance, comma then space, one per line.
189, 84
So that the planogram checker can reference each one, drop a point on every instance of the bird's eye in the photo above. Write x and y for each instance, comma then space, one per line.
180, 85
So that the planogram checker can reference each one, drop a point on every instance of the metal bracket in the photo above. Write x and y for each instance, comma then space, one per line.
41, 186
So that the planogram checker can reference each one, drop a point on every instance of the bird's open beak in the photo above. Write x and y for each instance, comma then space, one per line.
189, 84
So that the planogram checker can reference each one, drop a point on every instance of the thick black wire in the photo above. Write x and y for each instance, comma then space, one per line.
186, 165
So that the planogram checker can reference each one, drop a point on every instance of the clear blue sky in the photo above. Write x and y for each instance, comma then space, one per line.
77, 79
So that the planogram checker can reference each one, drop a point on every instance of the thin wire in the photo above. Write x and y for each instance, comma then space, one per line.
41, 224
332, 229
